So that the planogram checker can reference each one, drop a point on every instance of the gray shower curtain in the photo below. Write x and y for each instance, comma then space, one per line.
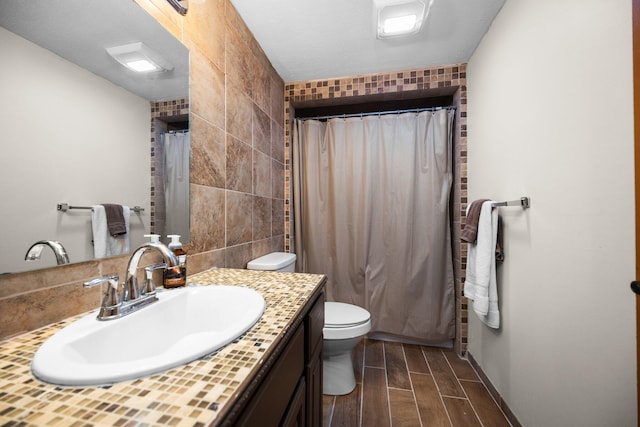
371, 211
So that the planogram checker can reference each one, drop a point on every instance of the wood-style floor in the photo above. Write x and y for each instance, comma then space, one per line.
409, 385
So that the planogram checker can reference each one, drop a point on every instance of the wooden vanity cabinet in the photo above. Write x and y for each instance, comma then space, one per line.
287, 391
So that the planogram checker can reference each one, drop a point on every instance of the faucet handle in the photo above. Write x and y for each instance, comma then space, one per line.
113, 281
150, 287
112, 300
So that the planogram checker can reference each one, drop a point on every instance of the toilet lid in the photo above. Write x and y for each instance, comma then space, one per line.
341, 315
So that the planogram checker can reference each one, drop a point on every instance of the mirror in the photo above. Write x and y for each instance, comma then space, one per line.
77, 126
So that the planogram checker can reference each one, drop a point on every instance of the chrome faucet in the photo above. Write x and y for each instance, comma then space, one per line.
132, 290
117, 303
35, 251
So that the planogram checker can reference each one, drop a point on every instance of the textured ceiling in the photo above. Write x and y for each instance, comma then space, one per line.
310, 39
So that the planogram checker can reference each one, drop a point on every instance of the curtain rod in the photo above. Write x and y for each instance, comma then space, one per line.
378, 113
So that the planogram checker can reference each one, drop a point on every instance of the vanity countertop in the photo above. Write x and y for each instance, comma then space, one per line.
196, 394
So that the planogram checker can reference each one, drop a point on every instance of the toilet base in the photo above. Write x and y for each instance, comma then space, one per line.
337, 373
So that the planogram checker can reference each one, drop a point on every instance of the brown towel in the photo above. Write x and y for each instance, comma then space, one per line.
499, 251
470, 232
115, 219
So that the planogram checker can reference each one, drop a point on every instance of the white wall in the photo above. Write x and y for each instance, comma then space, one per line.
550, 117
67, 136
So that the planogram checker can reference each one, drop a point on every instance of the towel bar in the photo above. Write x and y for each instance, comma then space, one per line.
63, 207
524, 202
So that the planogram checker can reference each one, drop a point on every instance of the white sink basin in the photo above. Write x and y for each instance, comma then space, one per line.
184, 325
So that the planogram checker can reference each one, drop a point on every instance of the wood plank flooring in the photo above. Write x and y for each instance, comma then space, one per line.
406, 385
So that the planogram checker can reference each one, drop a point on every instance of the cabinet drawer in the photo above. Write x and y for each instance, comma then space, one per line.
315, 323
269, 403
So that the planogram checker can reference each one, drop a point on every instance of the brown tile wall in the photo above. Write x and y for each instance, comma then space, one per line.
237, 174
408, 84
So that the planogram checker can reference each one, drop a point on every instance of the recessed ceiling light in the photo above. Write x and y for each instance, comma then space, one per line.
139, 58
399, 17
142, 65
400, 24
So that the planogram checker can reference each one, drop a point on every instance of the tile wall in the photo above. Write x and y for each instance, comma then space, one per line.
449, 80
237, 174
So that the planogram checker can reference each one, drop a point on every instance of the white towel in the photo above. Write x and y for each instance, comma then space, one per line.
104, 244
480, 283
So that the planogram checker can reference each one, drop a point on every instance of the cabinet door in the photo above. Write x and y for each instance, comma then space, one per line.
268, 405
313, 367
314, 390
297, 413
314, 326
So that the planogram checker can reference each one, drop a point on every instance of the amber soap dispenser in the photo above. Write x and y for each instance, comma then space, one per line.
175, 277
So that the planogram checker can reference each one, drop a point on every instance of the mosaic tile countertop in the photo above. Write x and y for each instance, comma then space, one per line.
191, 395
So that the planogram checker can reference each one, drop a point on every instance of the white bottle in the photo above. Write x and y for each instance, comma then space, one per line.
154, 238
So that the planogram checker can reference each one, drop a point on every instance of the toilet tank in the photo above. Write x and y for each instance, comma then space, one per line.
275, 261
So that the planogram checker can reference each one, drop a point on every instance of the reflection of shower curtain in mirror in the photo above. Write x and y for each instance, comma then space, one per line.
176, 182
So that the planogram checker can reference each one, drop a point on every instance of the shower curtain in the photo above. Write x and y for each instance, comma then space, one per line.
176, 183
371, 211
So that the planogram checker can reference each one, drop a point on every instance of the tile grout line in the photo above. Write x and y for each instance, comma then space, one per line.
333, 408
488, 392
364, 357
463, 390
413, 392
446, 411
386, 379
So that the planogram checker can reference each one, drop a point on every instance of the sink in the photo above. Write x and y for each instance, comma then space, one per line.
185, 324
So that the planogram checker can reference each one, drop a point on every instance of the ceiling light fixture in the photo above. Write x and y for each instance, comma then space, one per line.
139, 58
399, 17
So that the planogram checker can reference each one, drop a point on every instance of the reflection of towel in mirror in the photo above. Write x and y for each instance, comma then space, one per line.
115, 219
104, 244
480, 282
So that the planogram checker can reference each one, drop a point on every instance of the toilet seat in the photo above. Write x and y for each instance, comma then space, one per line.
344, 321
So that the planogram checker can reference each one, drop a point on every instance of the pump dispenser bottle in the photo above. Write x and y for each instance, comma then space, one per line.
153, 238
176, 276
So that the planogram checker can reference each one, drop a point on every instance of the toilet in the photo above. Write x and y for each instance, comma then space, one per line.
344, 326
275, 261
